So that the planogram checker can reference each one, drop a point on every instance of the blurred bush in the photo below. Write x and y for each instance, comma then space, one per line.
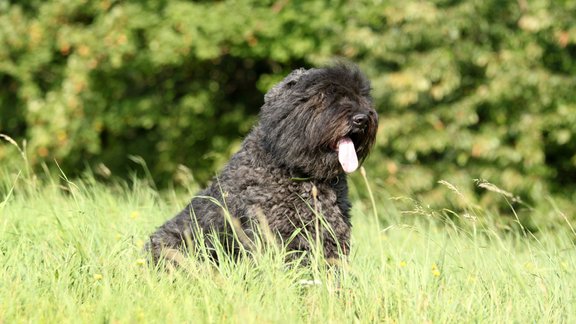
465, 89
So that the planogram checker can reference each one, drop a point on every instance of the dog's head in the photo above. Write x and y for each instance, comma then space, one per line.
320, 122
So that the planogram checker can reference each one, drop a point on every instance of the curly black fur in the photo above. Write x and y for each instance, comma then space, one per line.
289, 152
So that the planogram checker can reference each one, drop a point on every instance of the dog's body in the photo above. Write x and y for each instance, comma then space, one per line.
315, 126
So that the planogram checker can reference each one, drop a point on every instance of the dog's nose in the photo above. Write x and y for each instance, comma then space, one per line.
360, 120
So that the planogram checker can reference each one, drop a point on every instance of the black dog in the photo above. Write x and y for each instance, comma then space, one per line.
315, 126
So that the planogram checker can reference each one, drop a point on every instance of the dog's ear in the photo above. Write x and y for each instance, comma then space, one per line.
289, 81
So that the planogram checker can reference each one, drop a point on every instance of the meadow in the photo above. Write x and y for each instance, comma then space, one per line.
71, 251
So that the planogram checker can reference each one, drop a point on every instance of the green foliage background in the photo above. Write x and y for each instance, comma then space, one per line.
465, 89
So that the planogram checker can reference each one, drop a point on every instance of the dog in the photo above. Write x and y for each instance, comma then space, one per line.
314, 127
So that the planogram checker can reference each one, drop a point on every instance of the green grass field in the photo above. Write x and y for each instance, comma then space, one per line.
72, 252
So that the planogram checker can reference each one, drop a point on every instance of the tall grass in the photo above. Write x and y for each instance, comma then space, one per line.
71, 251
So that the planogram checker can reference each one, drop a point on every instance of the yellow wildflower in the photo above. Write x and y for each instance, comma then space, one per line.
435, 271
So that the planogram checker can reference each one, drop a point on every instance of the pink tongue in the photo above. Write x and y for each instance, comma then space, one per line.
347, 155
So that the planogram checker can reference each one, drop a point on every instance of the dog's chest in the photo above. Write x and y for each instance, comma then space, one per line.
294, 204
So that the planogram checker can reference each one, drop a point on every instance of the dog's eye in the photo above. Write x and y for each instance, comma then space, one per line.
290, 83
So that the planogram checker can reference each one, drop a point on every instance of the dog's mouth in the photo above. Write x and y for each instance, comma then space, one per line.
347, 154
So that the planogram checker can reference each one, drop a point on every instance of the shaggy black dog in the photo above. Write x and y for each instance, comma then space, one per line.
315, 126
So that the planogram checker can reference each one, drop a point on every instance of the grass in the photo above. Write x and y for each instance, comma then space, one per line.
71, 251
